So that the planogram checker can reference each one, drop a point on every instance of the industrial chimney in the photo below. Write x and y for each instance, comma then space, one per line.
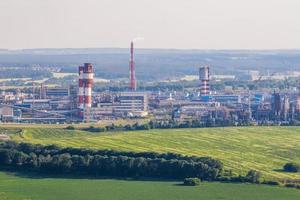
132, 83
85, 84
204, 77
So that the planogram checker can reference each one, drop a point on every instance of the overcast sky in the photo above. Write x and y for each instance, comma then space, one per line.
182, 24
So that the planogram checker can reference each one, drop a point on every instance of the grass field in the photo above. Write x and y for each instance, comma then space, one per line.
38, 188
265, 149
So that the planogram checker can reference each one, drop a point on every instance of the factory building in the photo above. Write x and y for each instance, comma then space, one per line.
133, 104
54, 92
204, 77
46, 104
38, 104
227, 98
85, 84
124, 104
224, 99
103, 111
57, 92
6, 113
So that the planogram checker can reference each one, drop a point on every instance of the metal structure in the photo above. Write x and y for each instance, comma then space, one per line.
276, 104
85, 84
132, 83
50, 115
204, 77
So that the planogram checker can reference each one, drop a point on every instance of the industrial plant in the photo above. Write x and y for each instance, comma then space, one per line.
79, 103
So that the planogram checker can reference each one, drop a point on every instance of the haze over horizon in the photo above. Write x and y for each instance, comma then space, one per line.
168, 24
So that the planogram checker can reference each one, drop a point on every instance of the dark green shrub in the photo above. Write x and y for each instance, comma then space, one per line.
128, 127
94, 129
191, 181
291, 185
291, 167
253, 176
70, 127
237, 179
272, 183
224, 179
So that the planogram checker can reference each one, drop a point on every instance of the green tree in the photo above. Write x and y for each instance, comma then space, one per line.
253, 176
191, 181
291, 167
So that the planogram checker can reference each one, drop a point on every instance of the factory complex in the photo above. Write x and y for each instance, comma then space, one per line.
79, 103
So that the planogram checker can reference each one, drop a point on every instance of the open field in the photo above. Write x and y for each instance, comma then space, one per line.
40, 188
265, 149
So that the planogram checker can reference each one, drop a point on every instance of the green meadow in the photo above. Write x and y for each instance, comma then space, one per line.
14, 187
265, 149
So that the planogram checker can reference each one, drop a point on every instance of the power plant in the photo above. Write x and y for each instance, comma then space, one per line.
79, 103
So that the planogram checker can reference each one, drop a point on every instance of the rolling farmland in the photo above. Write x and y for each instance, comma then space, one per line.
265, 149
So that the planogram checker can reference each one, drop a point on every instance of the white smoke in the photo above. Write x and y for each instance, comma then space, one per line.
137, 39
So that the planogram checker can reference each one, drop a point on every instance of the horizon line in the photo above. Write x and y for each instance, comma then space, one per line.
178, 49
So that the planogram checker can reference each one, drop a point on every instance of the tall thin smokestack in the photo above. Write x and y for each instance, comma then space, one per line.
132, 84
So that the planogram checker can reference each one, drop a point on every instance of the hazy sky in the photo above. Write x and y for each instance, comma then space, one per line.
198, 24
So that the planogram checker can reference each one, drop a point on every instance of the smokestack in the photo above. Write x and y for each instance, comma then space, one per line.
204, 77
85, 84
132, 84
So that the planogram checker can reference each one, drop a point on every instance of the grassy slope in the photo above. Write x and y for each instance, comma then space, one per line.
265, 149
20, 188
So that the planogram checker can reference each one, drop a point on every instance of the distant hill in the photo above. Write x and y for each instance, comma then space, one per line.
153, 64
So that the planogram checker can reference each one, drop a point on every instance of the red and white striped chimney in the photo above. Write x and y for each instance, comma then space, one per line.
204, 77
132, 82
85, 84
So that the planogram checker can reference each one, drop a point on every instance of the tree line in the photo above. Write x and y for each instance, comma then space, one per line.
55, 160
24, 72
170, 124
